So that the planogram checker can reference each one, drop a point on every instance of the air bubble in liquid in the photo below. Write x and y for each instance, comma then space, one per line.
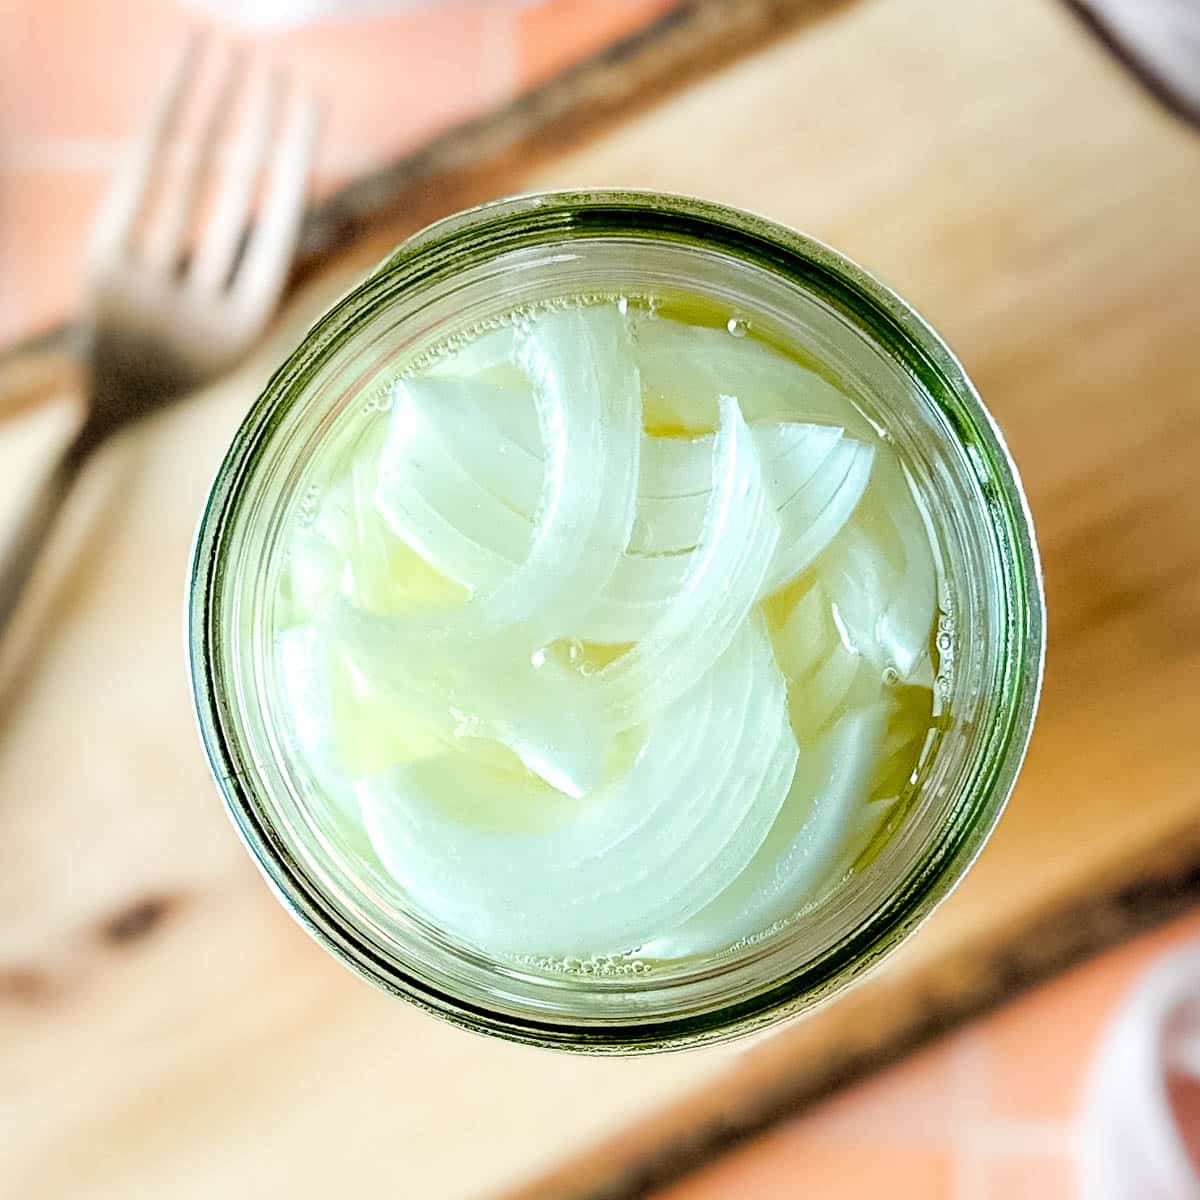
607, 965
737, 327
521, 318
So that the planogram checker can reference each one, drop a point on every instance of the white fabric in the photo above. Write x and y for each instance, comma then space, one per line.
1132, 1146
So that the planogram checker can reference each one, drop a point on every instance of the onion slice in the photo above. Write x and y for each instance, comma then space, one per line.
534, 704
493, 434
718, 589
671, 510
815, 513
588, 403
505, 864
702, 785
800, 853
580, 366
880, 576
685, 370
490, 353
305, 687
435, 505
566, 731
814, 477
814, 489
348, 550
821, 669
344, 727
676, 473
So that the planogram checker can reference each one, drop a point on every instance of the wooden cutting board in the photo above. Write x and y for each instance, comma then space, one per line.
164, 1028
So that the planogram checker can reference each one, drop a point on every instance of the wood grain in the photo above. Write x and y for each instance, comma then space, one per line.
166, 1031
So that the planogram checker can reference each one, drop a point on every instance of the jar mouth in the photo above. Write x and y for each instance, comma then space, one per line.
763, 982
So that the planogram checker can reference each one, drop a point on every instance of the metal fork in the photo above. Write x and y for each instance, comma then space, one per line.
161, 321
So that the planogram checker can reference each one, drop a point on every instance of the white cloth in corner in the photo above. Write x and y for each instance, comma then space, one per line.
1133, 1145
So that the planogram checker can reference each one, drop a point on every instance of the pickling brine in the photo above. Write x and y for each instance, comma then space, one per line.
609, 631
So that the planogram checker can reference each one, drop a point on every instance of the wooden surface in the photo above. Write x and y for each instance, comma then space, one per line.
166, 1031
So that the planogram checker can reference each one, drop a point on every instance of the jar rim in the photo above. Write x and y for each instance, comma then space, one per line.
488, 230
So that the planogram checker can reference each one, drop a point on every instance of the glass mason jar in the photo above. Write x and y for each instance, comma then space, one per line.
471, 267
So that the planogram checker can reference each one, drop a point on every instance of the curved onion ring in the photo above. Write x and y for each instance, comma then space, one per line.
820, 668
880, 576
588, 401
686, 369
718, 589
637, 857
798, 856
814, 477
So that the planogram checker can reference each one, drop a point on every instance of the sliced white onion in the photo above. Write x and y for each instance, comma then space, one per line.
589, 394
490, 354
588, 402
670, 521
816, 489
814, 478
880, 576
302, 669
821, 669
434, 504
802, 850
565, 730
342, 725
348, 550
675, 466
534, 704
676, 473
816, 512
640, 591
718, 590
478, 423
686, 369
534, 805
515, 869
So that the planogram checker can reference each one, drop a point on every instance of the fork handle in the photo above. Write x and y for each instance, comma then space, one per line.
36, 523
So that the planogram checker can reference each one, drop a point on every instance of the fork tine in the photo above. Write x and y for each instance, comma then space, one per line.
213, 262
127, 194
164, 246
263, 270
